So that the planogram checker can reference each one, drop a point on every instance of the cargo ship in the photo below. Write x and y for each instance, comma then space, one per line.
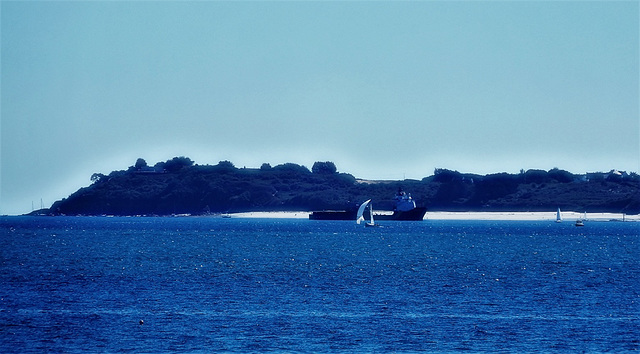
405, 209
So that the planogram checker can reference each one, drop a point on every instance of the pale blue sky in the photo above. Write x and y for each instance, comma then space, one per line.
385, 90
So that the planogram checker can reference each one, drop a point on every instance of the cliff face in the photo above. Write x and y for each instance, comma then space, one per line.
193, 189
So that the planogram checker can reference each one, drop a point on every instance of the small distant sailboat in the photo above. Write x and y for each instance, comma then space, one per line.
360, 215
558, 216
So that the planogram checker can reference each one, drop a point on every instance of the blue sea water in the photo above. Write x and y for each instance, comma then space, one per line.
78, 284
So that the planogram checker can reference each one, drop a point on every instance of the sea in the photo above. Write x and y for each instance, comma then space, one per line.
248, 285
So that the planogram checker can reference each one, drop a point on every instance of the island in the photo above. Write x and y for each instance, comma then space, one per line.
180, 186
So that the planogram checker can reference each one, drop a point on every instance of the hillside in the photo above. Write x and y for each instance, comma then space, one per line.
179, 186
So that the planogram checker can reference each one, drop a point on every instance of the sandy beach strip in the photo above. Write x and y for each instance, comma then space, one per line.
566, 216
447, 215
272, 215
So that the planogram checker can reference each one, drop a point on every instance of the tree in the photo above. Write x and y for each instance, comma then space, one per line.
292, 168
226, 165
177, 163
536, 176
324, 168
561, 176
140, 164
265, 167
443, 175
98, 177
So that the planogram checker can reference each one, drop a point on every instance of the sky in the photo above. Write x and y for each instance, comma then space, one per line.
385, 90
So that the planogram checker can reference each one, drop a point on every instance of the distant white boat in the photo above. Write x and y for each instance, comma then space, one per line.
558, 216
360, 215
579, 222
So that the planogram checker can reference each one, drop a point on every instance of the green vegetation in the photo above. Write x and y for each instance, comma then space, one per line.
180, 186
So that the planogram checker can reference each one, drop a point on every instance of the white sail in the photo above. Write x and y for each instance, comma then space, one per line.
371, 223
558, 216
359, 216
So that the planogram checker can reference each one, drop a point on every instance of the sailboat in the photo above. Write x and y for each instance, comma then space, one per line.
360, 215
558, 216
580, 222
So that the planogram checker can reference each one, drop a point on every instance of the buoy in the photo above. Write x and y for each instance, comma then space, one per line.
141, 322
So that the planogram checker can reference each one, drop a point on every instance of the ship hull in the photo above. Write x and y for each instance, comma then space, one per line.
416, 214
333, 215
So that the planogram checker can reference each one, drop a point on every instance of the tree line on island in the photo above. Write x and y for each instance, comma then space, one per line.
179, 186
